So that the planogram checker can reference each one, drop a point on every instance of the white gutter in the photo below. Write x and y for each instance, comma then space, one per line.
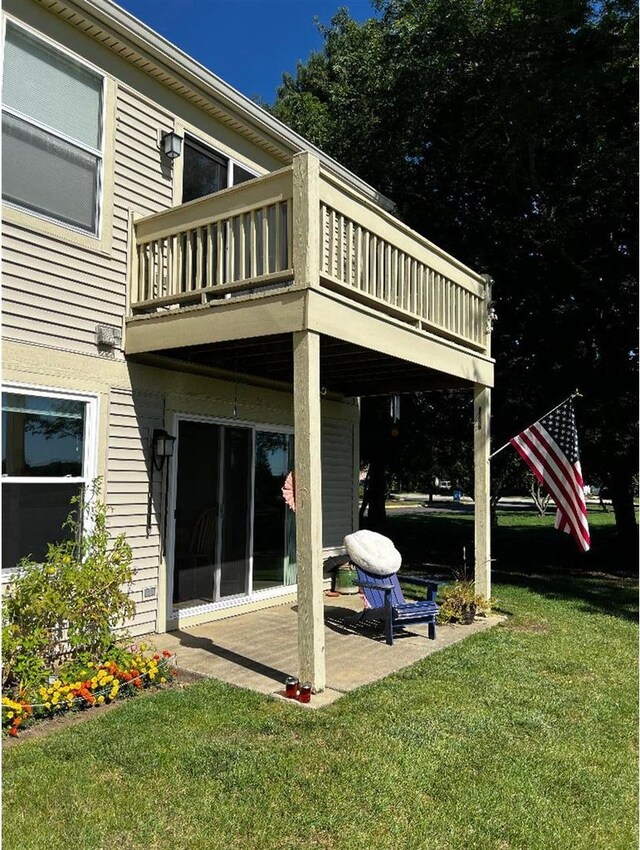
147, 40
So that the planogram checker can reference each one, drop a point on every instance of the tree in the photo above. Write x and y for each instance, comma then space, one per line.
505, 131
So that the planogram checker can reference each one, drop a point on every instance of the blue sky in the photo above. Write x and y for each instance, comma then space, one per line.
249, 43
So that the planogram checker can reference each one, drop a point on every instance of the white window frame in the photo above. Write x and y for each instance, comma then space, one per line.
90, 437
100, 152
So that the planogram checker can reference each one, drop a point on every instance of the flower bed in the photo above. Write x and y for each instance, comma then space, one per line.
80, 686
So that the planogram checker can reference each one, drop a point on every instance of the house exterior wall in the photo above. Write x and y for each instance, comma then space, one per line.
59, 284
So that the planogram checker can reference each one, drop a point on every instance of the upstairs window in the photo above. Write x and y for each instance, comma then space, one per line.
52, 116
206, 171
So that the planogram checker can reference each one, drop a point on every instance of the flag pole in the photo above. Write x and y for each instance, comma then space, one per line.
576, 394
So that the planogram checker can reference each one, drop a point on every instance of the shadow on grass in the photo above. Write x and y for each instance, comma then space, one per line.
528, 552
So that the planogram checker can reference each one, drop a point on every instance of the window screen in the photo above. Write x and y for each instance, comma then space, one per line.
48, 175
52, 132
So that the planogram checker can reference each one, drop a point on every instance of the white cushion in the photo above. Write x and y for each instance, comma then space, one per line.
374, 552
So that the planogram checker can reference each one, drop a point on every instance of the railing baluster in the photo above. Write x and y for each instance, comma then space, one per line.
141, 293
169, 260
188, 284
253, 245
265, 240
415, 273
153, 269
349, 257
199, 275
375, 257
278, 239
210, 267
366, 238
242, 246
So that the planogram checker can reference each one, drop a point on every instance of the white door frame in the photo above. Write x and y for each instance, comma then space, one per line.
229, 601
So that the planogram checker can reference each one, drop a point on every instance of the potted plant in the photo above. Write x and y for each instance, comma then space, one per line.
459, 603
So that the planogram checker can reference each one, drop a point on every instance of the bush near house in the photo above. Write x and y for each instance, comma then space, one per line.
60, 646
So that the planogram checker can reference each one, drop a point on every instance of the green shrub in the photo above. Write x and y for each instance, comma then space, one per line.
459, 603
69, 605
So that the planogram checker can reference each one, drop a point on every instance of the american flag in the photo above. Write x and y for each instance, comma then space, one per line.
550, 448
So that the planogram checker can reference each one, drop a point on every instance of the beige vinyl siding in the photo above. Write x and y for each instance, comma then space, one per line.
132, 418
337, 480
55, 292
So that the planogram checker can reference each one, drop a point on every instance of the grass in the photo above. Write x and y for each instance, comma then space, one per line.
520, 738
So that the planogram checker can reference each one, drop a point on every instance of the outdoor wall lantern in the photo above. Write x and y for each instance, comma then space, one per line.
161, 447
171, 145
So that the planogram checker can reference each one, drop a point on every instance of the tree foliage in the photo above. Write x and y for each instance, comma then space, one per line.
506, 132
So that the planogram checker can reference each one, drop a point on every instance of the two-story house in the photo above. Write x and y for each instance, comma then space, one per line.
194, 299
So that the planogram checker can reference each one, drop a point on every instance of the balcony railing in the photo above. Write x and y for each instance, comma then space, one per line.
249, 237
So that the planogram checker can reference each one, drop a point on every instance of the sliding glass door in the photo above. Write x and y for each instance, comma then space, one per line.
196, 513
234, 534
235, 512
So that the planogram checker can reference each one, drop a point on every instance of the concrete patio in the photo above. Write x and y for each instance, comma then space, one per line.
258, 650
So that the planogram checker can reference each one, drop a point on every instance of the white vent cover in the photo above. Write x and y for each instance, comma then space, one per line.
108, 336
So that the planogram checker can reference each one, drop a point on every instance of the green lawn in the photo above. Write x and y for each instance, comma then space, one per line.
520, 738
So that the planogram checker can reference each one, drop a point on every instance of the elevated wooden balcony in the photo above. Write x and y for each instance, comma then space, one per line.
298, 249
296, 278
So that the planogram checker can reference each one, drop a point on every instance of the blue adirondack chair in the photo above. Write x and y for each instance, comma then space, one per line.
386, 602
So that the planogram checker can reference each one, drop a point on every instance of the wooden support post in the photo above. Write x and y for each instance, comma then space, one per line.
481, 447
306, 411
306, 219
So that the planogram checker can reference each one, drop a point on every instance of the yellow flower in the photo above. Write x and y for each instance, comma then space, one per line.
47, 705
9, 714
163, 680
100, 700
152, 676
54, 699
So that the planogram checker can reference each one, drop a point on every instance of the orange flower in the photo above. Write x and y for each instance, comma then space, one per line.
156, 657
166, 653
13, 731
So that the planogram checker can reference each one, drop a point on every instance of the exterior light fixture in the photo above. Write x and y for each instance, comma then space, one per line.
161, 447
171, 145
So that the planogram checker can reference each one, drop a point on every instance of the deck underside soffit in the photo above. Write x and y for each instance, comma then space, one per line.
345, 368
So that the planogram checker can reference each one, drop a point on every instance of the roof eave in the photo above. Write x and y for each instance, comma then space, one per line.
124, 24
